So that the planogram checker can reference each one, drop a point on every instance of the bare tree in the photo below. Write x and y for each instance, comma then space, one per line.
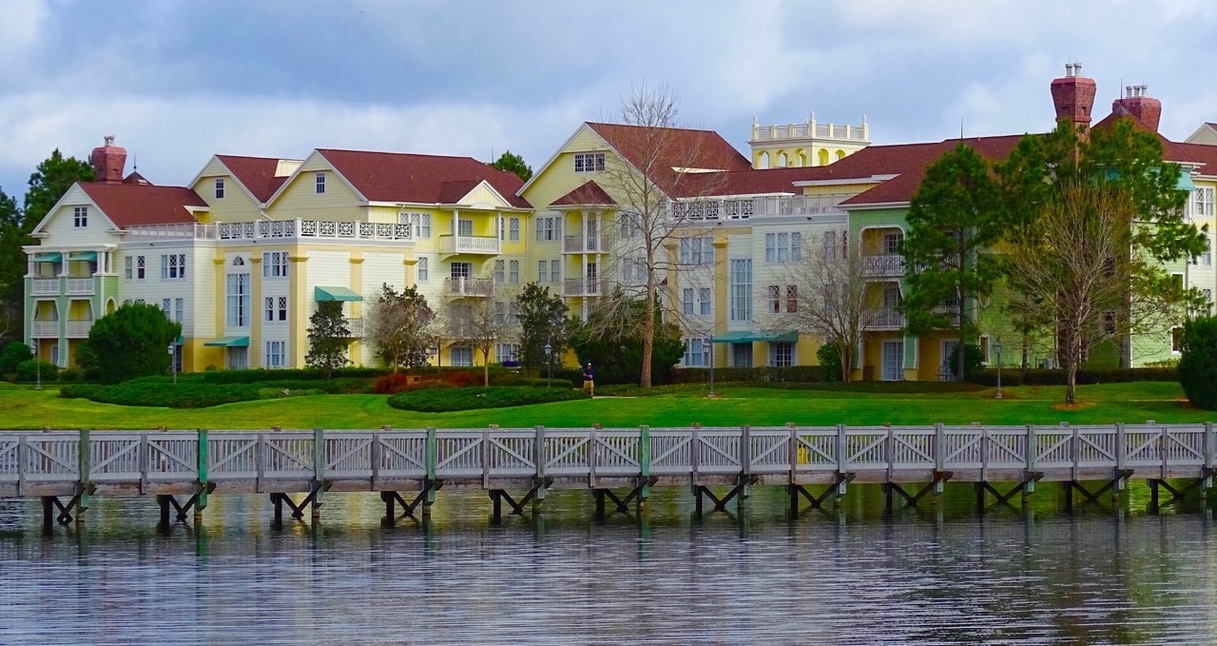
827, 294
1080, 253
402, 327
481, 323
657, 163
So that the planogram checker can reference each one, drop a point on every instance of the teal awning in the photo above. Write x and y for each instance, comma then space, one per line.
83, 255
335, 294
230, 342
791, 336
1185, 182
734, 337
48, 257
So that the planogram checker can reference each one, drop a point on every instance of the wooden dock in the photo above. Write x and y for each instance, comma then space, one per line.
618, 465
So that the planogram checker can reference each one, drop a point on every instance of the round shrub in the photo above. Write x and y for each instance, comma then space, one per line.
444, 400
14, 354
33, 371
829, 356
1198, 366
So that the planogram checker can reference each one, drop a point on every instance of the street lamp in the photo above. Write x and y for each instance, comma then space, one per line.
37, 372
997, 348
173, 361
549, 365
711, 393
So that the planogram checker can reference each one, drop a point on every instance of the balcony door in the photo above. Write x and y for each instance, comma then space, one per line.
893, 360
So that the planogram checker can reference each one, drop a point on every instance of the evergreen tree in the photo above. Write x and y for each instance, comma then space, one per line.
129, 343
514, 163
544, 319
328, 338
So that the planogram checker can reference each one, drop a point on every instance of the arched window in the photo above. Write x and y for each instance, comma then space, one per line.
782, 160
763, 160
823, 155
840, 155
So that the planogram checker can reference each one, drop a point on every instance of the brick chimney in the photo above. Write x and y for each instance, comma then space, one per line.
108, 162
1138, 103
1073, 96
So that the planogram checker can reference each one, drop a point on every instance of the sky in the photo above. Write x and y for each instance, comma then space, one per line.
177, 82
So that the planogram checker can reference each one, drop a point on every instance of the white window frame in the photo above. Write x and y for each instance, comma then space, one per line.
513, 230
739, 276
589, 162
422, 270
274, 264
275, 355
219, 188
687, 301
705, 297
141, 268
781, 354
513, 272
80, 217
319, 182
173, 266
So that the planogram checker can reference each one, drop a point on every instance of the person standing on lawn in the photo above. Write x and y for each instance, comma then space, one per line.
589, 379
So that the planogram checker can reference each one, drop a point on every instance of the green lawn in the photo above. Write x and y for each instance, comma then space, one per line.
870, 403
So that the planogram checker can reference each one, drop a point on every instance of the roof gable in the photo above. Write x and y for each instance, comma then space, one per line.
587, 194
420, 179
127, 205
667, 155
259, 176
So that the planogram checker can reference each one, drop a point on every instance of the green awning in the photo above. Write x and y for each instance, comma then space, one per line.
83, 255
1185, 182
230, 342
734, 337
48, 257
335, 294
790, 336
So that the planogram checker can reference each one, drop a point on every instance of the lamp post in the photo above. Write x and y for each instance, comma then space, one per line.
37, 371
711, 393
997, 348
173, 361
549, 365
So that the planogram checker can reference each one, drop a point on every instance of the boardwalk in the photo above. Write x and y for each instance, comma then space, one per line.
78, 464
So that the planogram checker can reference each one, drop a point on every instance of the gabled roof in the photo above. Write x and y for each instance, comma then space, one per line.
419, 179
1198, 154
587, 194
128, 205
672, 149
910, 162
256, 174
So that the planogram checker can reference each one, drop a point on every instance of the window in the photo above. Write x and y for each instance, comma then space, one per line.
703, 298
1208, 297
542, 271
891, 243
506, 352
500, 270
464, 228
275, 309
423, 270
697, 353
781, 354
555, 271
740, 290
500, 313
80, 217
589, 162
179, 309
549, 228
274, 264
237, 295
830, 245
783, 247
320, 181
461, 356
173, 266
219, 188
1206, 257
276, 354
513, 229
513, 275
140, 268
128, 267
687, 301
1202, 201
1176, 340
792, 298
775, 299
697, 251
741, 355
460, 270
165, 308
420, 223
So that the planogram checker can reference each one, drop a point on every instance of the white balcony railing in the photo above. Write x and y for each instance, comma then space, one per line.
356, 327
581, 244
884, 318
45, 330
582, 287
468, 286
883, 266
80, 287
469, 244
824, 207
45, 287
274, 229
860, 132
79, 329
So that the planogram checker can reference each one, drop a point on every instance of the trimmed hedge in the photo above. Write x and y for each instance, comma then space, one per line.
445, 400
1198, 365
790, 374
193, 393
295, 374
33, 371
1057, 377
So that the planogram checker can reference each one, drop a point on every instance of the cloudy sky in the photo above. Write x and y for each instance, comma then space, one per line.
179, 81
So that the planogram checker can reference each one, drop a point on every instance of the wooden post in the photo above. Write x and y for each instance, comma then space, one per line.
644, 464
203, 458
745, 460
163, 502
842, 462
85, 465
1121, 458
538, 458
940, 461
432, 457
1030, 458
260, 459
318, 472
22, 467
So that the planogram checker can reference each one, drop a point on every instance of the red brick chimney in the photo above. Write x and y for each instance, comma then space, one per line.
1139, 104
1073, 95
108, 162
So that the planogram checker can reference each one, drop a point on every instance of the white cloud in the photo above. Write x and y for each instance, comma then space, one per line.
21, 27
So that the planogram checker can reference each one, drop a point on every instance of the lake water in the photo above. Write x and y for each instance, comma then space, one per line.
1100, 576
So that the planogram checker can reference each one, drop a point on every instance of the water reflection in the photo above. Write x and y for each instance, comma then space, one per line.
853, 575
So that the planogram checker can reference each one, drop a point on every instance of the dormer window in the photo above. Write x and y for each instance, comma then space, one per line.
320, 182
219, 188
589, 162
80, 217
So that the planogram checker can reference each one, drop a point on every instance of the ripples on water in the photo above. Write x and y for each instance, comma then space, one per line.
848, 578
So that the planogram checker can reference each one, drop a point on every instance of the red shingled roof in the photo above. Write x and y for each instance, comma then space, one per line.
1198, 154
589, 193
657, 151
257, 174
129, 205
421, 179
913, 162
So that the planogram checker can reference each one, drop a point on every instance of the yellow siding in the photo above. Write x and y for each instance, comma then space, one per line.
299, 197
236, 206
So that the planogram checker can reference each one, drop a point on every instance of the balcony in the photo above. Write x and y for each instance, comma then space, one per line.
355, 326
582, 244
79, 329
884, 318
883, 266
480, 287
822, 208
582, 287
272, 229
45, 330
811, 130
79, 287
489, 245
45, 287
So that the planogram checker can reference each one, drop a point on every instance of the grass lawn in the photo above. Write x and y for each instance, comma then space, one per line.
861, 404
